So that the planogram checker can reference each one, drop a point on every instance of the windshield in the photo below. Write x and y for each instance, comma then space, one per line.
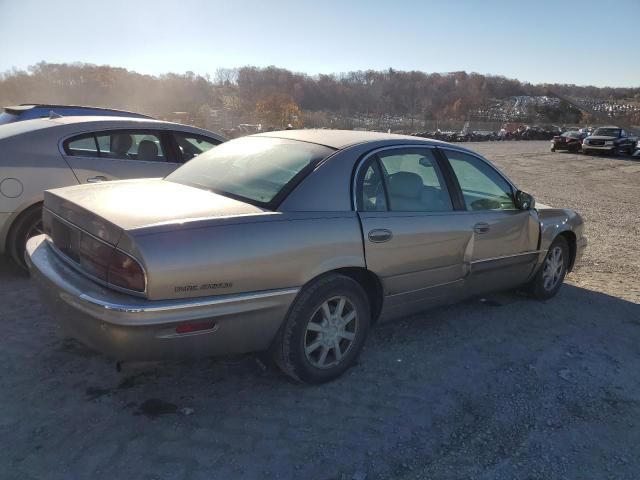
255, 169
607, 132
6, 117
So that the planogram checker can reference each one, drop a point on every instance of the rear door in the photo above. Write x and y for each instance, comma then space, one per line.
504, 239
411, 236
120, 154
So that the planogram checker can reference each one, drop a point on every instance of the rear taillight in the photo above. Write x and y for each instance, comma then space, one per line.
109, 264
125, 272
93, 256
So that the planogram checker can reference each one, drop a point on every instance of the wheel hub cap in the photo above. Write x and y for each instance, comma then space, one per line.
330, 332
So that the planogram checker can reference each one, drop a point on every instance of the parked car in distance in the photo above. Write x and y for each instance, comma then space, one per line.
31, 111
36, 155
570, 141
296, 242
612, 140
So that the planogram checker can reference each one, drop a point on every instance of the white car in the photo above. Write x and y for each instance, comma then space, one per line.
37, 155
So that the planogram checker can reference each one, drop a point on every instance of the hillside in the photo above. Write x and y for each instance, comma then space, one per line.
274, 97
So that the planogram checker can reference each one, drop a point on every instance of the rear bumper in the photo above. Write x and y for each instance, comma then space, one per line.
129, 328
594, 148
566, 146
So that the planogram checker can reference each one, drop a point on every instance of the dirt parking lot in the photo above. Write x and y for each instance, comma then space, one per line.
502, 389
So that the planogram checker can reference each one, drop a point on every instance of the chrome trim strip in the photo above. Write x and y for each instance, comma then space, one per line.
183, 304
532, 252
444, 284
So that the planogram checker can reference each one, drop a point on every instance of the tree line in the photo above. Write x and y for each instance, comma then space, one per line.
276, 96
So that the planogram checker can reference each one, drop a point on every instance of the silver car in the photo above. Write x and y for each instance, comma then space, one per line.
36, 155
294, 242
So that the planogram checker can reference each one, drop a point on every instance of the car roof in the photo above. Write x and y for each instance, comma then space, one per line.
98, 122
29, 106
340, 139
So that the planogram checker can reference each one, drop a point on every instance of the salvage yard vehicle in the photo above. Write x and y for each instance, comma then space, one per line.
36, 155
612, 140
294, 242
570, 141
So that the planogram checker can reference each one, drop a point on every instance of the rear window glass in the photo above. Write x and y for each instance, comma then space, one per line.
83, 147
571, 134
255, 169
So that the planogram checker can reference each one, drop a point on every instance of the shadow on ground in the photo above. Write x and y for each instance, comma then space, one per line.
500, 389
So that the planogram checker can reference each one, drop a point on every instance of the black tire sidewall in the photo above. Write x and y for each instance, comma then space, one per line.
292, 358
17, 236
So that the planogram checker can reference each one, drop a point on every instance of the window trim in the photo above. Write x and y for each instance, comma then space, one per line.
169, 154
364, 161
176, 146
514, 188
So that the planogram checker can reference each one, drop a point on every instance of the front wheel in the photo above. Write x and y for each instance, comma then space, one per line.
551, 273
324, 331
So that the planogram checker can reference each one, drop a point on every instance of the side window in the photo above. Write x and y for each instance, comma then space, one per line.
623, 134
83, 146
193, 145
131, 145
371, 193
413, 181
482, 187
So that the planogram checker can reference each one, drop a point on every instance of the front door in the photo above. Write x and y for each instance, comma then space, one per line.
119, 155
504, 243
412, 239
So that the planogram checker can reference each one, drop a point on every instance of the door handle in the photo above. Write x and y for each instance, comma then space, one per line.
481, 227
380, 235
96, 179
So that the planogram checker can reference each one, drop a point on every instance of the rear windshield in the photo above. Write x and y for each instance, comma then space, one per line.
607, 132
571, 134
6, 117
254, 169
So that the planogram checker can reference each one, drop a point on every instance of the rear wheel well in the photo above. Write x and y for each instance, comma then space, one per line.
570, 237
371, 285
11, 239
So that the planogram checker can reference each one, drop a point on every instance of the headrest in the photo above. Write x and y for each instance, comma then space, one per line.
405, 184
147, 150
121, 143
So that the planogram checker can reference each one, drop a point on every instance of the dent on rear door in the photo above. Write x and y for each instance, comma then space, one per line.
422, 260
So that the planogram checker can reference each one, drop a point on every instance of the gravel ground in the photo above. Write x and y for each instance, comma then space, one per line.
502, 389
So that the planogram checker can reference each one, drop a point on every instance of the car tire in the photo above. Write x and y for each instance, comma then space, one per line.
27, 225
324, 331
550, 275
553, 149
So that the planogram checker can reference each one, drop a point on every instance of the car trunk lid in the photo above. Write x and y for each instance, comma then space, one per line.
107, 209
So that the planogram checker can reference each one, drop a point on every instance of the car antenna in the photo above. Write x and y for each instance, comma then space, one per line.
53, 115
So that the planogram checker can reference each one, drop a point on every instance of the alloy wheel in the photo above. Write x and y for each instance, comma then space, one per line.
331, 332
553, 268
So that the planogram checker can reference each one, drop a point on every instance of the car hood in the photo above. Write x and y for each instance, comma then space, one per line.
138, 204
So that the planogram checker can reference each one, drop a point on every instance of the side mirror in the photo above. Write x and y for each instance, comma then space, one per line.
524, 201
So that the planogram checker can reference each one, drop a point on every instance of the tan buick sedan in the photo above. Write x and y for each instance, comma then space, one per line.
294, 242
36, 155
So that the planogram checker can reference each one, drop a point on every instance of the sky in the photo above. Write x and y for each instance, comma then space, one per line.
539, 41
